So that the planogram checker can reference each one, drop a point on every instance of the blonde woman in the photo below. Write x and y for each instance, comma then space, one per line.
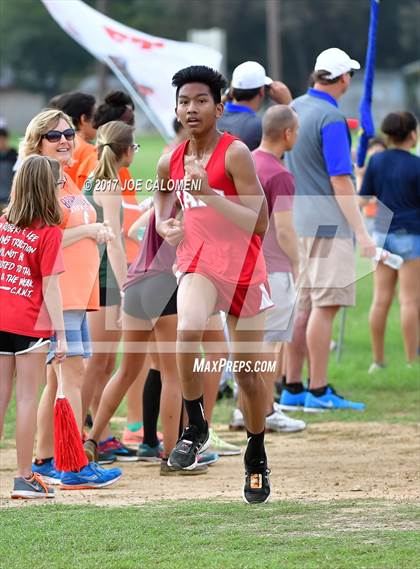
116, 149
31, 306
51, 134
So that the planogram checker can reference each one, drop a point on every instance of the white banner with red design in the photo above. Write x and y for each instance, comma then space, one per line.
145, 64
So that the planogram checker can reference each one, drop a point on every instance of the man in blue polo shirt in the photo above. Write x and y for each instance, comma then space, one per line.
248, 88
327, 218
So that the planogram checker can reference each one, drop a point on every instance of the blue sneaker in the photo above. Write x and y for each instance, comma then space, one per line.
48, 472
91, 476
292, 401
331, 400
146, 453
207, 458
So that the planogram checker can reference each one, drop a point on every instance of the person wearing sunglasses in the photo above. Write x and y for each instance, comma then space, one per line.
51, 134
116, 149
80, 107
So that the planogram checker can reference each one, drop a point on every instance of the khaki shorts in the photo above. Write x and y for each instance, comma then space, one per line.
279, 320
327, 272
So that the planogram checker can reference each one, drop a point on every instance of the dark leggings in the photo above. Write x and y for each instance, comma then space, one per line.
151, 407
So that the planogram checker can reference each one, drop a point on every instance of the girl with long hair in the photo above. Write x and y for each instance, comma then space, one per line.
116, 149
51, 133
31, 306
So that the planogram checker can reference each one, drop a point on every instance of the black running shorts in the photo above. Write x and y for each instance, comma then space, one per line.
152, 297
17, 344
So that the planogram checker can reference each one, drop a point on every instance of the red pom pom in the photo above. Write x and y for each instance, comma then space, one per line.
69, 454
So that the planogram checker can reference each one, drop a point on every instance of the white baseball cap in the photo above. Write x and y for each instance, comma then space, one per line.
336, 61
249, 75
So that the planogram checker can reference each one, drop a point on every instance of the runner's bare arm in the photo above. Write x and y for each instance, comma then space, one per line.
240, 165
250, 212
169, 228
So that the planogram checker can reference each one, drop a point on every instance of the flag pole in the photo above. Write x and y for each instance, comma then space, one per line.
365, 109
137, 98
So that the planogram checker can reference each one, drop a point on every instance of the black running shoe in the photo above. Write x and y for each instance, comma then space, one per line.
257, 484
192, 441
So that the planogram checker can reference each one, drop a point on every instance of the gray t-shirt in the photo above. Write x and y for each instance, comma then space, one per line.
322, 150
242, 122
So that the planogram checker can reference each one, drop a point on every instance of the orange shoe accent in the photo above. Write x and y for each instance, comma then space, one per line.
256, 481
38, 478
78, 487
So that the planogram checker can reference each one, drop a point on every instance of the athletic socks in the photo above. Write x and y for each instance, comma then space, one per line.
151, 407
195, 412
134, 427
255, 451
320, 391
295, 387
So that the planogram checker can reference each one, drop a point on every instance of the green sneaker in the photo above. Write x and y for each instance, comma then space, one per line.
221, 447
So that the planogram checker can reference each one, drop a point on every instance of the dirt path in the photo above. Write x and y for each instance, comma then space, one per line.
327, 461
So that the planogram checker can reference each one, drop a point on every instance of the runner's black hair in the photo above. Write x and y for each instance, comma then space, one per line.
200, 74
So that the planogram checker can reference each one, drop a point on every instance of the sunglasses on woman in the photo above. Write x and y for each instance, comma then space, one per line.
55, 135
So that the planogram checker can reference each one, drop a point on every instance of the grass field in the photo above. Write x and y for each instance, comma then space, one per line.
220, 534
188, 535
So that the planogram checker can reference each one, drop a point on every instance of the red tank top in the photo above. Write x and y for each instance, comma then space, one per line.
213, 245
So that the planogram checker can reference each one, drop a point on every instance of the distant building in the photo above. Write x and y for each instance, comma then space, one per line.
18, 107
389, 94
411, 74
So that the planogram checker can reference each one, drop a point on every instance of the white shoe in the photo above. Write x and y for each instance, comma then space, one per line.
374, 367
279, 422
237, 422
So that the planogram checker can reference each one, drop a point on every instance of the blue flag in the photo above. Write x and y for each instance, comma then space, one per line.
365, 109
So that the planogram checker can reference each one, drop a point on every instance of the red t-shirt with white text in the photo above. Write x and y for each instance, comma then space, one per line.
26, 256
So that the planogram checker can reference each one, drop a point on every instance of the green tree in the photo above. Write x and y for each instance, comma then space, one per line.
44, 58
41, 55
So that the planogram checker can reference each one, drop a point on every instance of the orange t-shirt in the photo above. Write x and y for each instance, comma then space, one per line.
131, 213
79, 283
81, 152
371, 209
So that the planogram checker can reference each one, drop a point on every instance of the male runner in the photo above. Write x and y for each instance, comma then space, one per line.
218, 260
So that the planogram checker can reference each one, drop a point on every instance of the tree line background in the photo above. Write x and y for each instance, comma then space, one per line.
43, 58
